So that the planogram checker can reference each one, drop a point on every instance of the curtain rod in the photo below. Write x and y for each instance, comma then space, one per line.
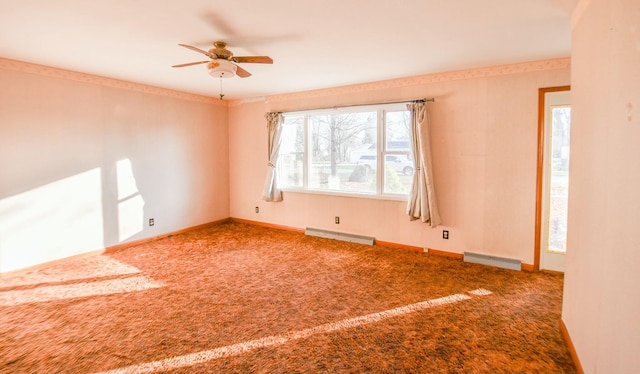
423, 100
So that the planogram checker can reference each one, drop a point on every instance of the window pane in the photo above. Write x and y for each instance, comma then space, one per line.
398, 174
398, 160
337, 142
291, 156
398, 126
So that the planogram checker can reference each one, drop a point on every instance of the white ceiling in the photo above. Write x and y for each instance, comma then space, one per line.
314, 43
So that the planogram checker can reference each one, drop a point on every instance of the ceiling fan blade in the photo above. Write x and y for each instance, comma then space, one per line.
195, 49
241, 72
254, 59
190, 63
220, 23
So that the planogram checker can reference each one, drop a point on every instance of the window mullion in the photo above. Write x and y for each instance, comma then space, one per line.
381, 152
307, 160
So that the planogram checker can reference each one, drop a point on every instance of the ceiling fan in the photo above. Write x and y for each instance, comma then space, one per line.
222, 63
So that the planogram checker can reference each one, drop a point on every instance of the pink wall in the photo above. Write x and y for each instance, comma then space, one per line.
86, 161
484, 131
126, 153
602, 292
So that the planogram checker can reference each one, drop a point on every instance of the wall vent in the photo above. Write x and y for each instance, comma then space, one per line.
339, 236
500, 262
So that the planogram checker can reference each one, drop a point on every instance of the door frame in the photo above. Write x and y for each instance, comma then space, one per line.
540, 170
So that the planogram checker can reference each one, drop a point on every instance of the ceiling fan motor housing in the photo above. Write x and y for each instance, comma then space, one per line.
221, 51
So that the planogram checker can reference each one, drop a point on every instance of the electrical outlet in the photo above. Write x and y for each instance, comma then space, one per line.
337, 220
257, 209
445, 234
151, 222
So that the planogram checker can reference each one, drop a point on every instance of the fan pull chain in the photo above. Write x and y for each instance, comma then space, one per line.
221, 94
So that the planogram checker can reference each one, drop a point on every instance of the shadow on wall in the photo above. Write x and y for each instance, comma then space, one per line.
70, 216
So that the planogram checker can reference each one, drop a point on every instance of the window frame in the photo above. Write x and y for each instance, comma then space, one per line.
381, 152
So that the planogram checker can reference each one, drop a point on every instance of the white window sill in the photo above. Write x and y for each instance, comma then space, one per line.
371, 196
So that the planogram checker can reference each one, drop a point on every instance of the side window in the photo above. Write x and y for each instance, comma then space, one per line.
291, 157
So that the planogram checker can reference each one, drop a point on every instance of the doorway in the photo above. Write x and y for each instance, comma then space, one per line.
554, 125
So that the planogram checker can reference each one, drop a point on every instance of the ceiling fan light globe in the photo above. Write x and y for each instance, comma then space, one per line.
222, 68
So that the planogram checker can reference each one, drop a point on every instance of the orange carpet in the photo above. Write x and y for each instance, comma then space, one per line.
237, 298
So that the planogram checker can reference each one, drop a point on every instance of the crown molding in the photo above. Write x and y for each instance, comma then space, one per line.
491, 71
26, 67
517, 68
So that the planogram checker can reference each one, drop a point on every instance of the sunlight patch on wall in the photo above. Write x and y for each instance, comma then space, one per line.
130, 202
53, 221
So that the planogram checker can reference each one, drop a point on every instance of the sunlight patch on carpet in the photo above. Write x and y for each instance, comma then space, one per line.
83, 268
70, 291
177, 362
480, 292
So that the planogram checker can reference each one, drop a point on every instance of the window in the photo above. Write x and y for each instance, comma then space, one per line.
343, 151
559, 178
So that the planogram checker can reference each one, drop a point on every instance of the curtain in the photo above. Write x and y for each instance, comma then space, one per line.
422, 199
271, 191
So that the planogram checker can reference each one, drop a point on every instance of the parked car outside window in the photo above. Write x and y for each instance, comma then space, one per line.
401, 164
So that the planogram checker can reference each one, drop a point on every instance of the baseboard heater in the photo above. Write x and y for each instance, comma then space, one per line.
501, 262
339, 236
